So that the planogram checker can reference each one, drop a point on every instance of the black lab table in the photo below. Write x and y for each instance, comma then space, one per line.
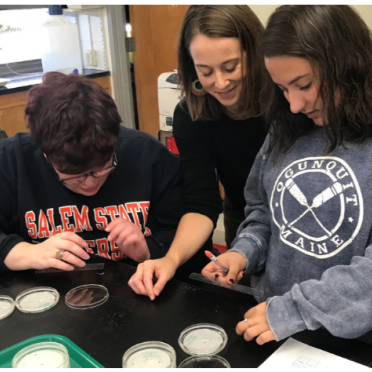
107, 331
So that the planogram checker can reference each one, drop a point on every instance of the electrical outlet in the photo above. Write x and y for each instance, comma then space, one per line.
91, 58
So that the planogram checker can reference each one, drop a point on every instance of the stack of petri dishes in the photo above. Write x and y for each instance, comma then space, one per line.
203, 341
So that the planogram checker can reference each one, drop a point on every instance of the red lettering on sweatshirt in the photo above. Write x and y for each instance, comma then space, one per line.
147, 232
123, 213
50, 213
43, 226
145, 206
90, 244
30, 223
103, 248
116, 253
112, 211
66, 212
81, 220
134, 209
101, 221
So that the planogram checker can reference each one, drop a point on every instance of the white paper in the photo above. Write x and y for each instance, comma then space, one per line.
295, 354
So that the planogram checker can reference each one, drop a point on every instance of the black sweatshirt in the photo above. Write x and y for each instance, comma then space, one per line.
146, 188
227, 146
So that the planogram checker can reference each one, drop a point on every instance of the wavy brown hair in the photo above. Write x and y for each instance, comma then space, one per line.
74, 121
338, 44
216, 21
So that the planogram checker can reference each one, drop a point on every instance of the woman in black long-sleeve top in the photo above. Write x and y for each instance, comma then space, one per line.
217, 127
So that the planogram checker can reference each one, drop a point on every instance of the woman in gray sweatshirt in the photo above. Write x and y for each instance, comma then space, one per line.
307, 236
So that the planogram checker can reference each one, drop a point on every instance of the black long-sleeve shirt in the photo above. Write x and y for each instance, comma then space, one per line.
146, 188
225, 145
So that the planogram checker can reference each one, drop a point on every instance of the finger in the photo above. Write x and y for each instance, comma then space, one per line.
255, 331
216, 275
123, 237
75, 250
61, 265
117, 222
234, 274
148, 274
242, 326
211, 270
117, 231
160, 284
241, 276
136, 283
72, 237
265, 337
114, 223
72, 258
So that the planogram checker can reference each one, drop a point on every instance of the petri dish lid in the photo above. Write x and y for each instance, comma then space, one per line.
6, 306
86, 296
202, 339
37, 300
150, 354
204, 361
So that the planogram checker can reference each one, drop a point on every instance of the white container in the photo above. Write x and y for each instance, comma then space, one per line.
60, 44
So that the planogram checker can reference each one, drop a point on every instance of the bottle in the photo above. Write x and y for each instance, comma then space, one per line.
60, 43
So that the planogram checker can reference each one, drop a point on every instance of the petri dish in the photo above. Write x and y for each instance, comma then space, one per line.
204, 361
86, 296
202, 339
42, 355
37, 300
6, 306
150, 354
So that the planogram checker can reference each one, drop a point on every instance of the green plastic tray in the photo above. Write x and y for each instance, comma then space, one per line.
78, 357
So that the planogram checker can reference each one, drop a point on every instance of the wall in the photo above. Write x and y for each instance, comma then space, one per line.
264, 11
365, 11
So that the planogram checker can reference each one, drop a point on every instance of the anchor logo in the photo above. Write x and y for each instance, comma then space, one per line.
317, 205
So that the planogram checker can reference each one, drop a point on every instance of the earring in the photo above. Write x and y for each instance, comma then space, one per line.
198, 89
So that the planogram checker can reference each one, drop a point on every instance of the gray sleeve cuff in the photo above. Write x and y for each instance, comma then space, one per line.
249, 248
283, 316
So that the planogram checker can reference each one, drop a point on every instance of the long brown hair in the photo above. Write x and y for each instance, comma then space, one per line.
338, 44
216, 21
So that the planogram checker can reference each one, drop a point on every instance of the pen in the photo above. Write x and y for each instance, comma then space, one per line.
214, 259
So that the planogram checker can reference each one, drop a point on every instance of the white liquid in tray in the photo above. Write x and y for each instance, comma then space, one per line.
43, 359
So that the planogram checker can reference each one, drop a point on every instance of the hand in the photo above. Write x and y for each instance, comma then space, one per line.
256, 325
26, 256
142, 280
236, 263
129, 239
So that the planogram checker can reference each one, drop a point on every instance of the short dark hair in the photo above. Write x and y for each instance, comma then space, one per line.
235, 21
338, 45
74, 121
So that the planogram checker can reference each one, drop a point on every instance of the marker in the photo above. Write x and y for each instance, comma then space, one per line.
214, 259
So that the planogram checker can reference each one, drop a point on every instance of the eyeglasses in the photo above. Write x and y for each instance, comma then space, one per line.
80, 179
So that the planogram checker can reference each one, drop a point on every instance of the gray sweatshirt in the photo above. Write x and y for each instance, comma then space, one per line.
307, 236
